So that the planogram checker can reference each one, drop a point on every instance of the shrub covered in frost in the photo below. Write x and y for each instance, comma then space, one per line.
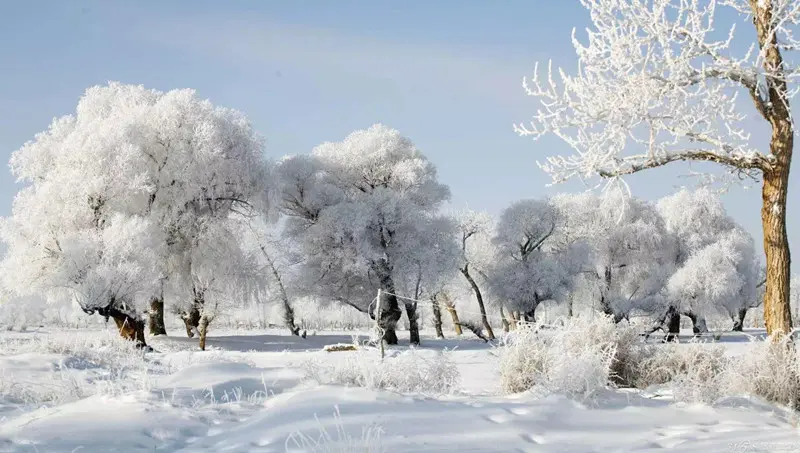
585, 355
769, 369
407, 372
694, 372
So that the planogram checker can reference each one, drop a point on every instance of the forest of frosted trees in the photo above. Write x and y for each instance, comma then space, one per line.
143, 203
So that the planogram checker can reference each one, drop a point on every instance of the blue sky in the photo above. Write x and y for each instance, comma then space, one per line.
447, 74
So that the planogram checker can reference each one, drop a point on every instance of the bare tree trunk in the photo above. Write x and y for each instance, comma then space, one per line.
288, 311
157, 326
191, 319
388, 308
130, 328
413, 324
530, 315
673, 325
570, 303
514, 319
204, 322
699, 326
738, 322
479, 297
437, 316
777, 311
448, 304
505, 321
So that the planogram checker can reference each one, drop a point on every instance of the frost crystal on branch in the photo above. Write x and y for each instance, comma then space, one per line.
658, 83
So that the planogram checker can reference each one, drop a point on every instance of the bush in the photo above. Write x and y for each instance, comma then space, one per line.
584, 356
769, 369
694, 372
407, 372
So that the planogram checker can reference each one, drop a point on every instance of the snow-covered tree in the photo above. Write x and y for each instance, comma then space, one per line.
131, 197
353, 207
697, 219
722, 274
528, 268
658, 83
276, 257
627, 250
426, 264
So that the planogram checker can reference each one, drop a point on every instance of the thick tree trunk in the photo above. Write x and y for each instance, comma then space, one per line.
437, 316
157, 326
479, 297
191, 319
738, 322
673, 325
413, 322
204, 322
699, 326
777, 311
130, 328
388, 308
530, 315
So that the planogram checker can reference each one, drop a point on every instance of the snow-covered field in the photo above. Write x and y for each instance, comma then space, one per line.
84, 391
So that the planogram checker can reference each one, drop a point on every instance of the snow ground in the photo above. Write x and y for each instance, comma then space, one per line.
248, 394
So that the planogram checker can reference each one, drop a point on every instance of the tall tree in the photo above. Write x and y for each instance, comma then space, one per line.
351, 206
658, 85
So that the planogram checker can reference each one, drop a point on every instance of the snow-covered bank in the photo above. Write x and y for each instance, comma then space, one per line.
249, 394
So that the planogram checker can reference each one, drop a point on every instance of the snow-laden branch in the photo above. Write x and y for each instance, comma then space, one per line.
658, 83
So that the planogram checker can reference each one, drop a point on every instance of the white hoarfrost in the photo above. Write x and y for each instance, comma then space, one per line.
658, 83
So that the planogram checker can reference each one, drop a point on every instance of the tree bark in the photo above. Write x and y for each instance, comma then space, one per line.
437, 316
448, 304
130, 328
570, 304
157, 326
191, 318
777, 311
288, 311
673, 325
530, 315
479, 297
203, 330
699, 326
413, 324
388, 308
738, 322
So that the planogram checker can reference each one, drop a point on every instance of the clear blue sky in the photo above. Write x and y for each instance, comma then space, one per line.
446, 73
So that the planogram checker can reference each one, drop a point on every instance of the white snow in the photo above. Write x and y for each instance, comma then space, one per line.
248, 394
